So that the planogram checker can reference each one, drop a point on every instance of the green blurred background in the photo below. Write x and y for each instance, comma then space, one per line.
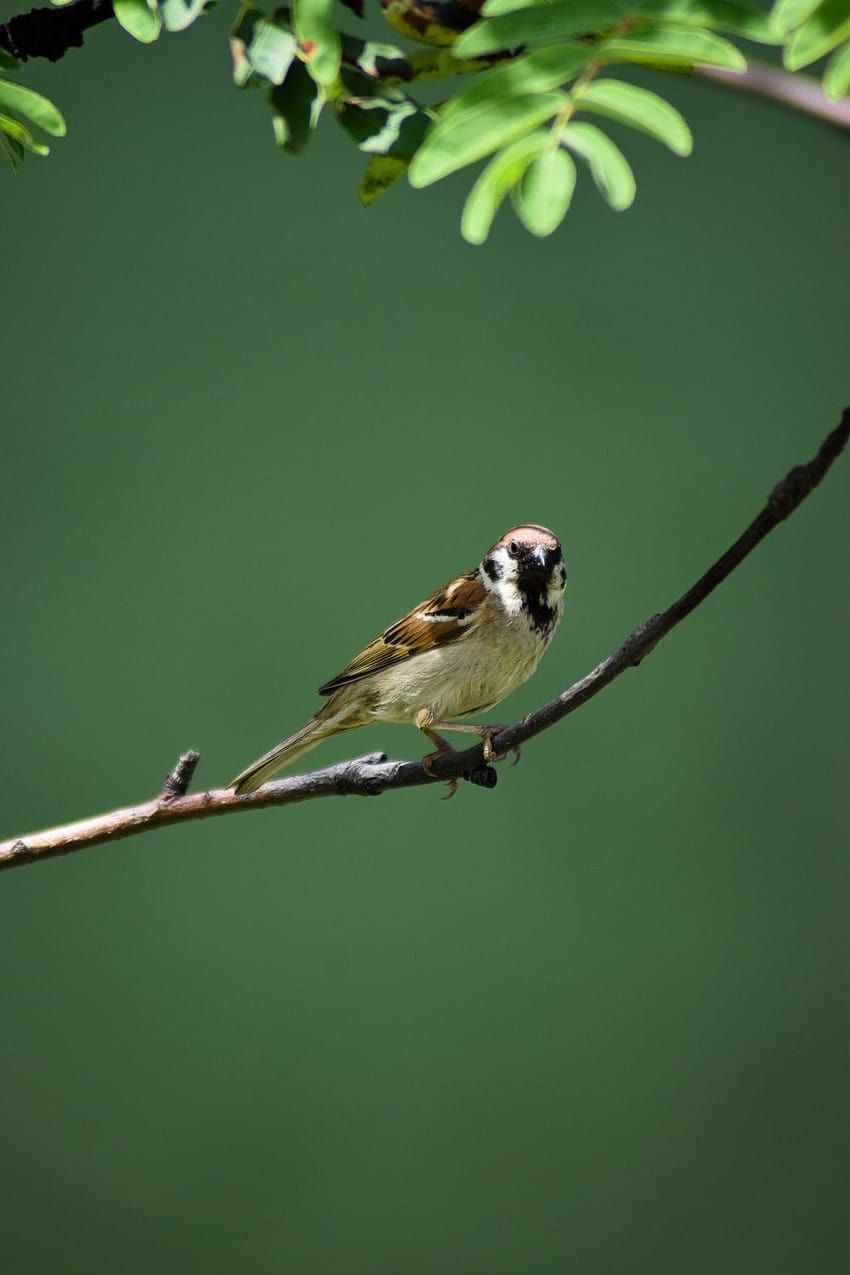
593, 1021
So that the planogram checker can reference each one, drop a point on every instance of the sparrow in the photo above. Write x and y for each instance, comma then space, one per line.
458, 653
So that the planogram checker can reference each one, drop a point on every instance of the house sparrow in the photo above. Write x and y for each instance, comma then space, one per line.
460, 651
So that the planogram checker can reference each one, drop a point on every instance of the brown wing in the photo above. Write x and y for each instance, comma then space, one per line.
444, 617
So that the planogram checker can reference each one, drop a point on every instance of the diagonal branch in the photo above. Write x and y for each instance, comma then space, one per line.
786, 88
372, 775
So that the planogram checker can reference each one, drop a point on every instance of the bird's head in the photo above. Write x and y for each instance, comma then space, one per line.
525, 567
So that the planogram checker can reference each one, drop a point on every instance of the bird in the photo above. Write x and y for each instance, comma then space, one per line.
456, 654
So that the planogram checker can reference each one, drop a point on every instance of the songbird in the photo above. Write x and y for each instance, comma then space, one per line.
459, 652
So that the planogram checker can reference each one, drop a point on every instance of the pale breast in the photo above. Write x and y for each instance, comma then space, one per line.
470, 675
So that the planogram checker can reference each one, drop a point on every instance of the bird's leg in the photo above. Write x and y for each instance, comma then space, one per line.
484, 732
424, 719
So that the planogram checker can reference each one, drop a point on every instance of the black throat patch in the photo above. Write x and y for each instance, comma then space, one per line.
538, 610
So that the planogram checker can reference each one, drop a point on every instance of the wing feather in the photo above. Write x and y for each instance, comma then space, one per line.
445, 617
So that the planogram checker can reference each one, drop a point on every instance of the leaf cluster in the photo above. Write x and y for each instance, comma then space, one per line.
530, 74
24, 115
537, 85
812, 29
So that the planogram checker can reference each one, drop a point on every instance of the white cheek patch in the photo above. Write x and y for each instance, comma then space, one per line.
506, 569
508, 594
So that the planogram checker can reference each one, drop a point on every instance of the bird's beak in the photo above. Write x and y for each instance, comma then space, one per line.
538, 557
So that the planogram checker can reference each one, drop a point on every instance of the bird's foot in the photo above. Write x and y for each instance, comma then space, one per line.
428, 760
427, 724
490, 753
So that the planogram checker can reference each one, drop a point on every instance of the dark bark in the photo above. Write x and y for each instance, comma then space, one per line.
50, 33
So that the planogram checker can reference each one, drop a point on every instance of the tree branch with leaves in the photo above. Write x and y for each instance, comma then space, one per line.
535, 79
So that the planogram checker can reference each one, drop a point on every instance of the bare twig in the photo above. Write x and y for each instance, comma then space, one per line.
786, 88
373, 774
177, 783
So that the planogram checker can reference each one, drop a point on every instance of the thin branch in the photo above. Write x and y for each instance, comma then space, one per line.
50, 33
786, 88
372, 775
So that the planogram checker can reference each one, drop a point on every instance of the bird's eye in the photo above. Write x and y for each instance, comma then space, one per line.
513, 549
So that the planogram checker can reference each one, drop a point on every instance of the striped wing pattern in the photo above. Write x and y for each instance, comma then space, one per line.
443, 618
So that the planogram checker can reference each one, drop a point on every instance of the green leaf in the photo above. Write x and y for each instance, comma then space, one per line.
319, 39
138, 20
543, 195
12, 150
34, 107
501, 174
385, 126
827, 27
382, 171
441, 64
433, 22
608, 165
836, 80
463, 138
18, 132
672, 46
716, 15
639, 109
7, 62
539, 24
377, 61
495, 8
536, 72
787, 14
262, 51
177, 15
297, 105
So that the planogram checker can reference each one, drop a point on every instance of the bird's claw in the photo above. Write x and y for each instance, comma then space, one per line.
490, 753
428, 766
476, 777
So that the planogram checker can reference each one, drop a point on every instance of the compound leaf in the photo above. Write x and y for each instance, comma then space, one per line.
672, 46
463, 138
500, 176
544, 192
836, 80
34, 107
608, 165
638, 108
716, 15
538, 24
138, 20
318, 38
535, 72
828, 26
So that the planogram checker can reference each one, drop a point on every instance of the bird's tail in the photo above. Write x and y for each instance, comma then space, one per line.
311, 734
